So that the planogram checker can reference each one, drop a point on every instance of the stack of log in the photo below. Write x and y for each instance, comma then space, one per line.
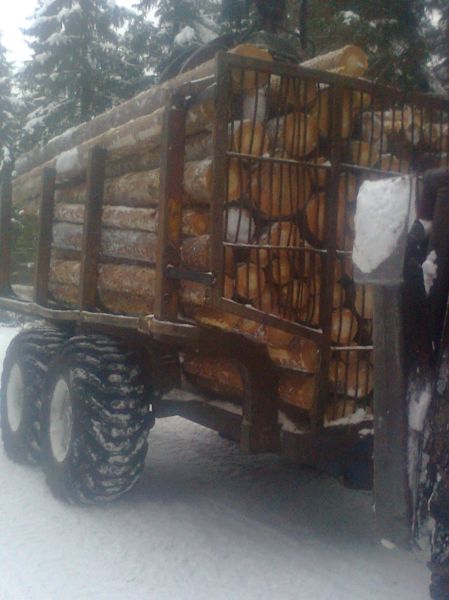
274, 219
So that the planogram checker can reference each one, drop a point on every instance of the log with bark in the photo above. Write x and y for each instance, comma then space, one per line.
297, 389
214, 374
115, 243
300, 354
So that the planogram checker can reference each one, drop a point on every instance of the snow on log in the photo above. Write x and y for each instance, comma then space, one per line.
117, 243
217, 374
140, 135
349, 60
297, 389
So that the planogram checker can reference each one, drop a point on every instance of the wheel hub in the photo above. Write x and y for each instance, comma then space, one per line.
15, 398
61, 420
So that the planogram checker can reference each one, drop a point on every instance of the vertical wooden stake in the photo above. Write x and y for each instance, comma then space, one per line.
170, 208
92, 229
42, 271
5, 230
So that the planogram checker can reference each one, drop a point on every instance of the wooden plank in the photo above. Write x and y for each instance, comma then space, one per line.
170, 215
92, 229
5, 230
391, 489
41, 276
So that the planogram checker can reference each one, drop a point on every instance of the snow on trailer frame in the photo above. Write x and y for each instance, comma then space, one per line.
310, 120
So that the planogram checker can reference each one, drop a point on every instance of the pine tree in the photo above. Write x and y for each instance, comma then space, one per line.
182, 26
437, 31
389, 31
79, 66
8, 106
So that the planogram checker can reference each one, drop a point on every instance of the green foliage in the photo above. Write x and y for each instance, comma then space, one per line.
8, 106
79, 66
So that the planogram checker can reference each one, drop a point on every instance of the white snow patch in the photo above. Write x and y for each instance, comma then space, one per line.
68, 161
185, 36
240, 226
349, 17
430, 271
287, 424
384, 209
227, 406
359, 416
418, 407
387, 544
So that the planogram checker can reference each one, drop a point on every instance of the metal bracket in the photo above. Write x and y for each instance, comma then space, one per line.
172, 272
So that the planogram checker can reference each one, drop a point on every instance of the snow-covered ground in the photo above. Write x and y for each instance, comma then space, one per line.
205, 523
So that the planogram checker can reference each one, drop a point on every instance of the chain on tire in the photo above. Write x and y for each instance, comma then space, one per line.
95, 420
24, 372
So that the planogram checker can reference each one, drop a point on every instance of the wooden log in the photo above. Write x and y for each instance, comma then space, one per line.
120, 217
354, 378
344, 326
143, 104
295, 295
195, 222
285, 94
280, 271
195, 253
364, 301
279, 190
295, 135
128, 279
245, 79
277, 338
193, 294
363, 154
315, 217
247, 137
339, 409
141, 135
116, 243
211, 317
350, 107
216, 374
300, 354
349, 60
389, 162
250, 281
112, 301
297, 389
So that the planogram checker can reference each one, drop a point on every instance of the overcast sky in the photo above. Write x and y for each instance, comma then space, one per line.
14, 17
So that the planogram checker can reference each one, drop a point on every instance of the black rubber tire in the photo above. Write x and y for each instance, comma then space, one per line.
111, 418
32, 351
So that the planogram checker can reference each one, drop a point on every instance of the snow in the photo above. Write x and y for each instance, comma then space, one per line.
385, 208
185, 36
67, 161
430, 270
205, 523
418, 407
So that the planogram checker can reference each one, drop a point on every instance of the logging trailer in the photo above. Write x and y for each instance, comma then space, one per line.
194, 259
